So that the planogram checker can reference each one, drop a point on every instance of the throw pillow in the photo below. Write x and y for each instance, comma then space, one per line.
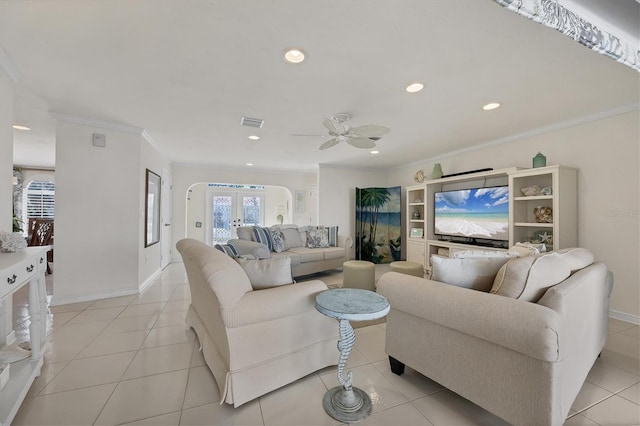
480, 254
476, 274
267, 273
228, 249
332, 232
292, 238
317, 238
263, 236
277, 238
527, 278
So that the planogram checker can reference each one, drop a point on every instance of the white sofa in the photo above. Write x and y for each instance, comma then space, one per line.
304, 260
254, 341
524, 361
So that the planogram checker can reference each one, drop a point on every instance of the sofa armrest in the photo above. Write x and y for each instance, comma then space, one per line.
254, 248
273, 303
345, 241
524, 327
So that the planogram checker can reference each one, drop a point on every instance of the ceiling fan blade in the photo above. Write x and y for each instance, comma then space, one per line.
328, 144
370, 130
363, 143
333, 126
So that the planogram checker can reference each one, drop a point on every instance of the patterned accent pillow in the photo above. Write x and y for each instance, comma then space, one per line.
317, 238
277, 238
228, 249
333, 236
263, 235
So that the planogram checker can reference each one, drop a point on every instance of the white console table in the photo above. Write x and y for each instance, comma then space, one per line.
16, 270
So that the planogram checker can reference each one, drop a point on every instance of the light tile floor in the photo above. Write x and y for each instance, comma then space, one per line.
132, 360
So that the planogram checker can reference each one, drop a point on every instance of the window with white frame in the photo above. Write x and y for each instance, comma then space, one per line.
40, 200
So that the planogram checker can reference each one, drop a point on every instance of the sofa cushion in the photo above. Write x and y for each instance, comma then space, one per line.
527, 278
277, 238
307, 255
245, 233
263, 236
332, 234
292, 238
267, 273
317, 238
473, 273
333, 253
295, 258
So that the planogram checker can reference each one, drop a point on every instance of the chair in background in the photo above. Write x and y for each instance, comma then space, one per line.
41, 231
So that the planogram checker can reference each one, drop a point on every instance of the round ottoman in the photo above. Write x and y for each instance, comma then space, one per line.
359, 274
409, 268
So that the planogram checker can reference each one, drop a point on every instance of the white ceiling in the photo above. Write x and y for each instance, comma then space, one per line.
186, 71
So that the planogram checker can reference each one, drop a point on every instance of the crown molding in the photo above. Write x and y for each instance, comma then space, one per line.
530, 133
85, 121
9, 67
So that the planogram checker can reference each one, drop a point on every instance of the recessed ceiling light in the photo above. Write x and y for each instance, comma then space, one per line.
374, 152
19, 127
414, 87
249, 164
294, 55
490, 106
254, 137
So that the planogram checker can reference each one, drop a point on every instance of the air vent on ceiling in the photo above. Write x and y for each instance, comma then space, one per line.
251, 122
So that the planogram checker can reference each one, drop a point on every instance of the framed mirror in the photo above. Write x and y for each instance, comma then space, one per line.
152, 209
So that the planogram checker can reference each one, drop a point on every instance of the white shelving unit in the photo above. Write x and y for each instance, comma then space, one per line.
416, 203
523, 227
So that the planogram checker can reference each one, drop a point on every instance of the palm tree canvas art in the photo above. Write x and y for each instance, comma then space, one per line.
378, 231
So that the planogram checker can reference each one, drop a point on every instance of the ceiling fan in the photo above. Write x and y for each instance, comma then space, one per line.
360, 137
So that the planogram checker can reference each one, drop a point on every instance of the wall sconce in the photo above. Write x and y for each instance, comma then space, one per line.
280, 212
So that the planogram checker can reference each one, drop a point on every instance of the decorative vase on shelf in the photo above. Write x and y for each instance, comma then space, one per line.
437, 171
539, 160
416, 215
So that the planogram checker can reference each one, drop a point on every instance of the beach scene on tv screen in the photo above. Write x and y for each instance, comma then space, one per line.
481, 213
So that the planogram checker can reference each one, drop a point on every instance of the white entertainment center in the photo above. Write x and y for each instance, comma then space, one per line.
551, 189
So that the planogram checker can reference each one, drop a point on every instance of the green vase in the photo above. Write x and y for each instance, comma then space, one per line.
437, 171
539, 160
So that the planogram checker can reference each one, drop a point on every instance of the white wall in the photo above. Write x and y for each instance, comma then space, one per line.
6, 151
149, 258
100, 207
337, 192
606, 154
184, 177
6, 175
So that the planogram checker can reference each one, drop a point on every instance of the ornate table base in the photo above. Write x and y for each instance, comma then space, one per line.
348, 406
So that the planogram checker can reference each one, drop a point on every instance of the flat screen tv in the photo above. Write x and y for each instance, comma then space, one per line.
478, 215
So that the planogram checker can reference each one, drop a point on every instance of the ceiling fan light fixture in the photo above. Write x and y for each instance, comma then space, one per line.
21, 127
294, 55
491, 106
414, 87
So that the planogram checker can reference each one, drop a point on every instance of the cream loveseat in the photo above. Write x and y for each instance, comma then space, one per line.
254, 341
304, 260
524, 361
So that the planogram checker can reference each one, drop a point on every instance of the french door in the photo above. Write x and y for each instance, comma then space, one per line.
229, 210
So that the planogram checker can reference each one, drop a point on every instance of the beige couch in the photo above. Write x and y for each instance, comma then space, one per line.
254, 341
523, 361
304, 260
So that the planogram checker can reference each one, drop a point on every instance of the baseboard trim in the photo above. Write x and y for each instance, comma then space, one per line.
146, 283
623, 316
92, 297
